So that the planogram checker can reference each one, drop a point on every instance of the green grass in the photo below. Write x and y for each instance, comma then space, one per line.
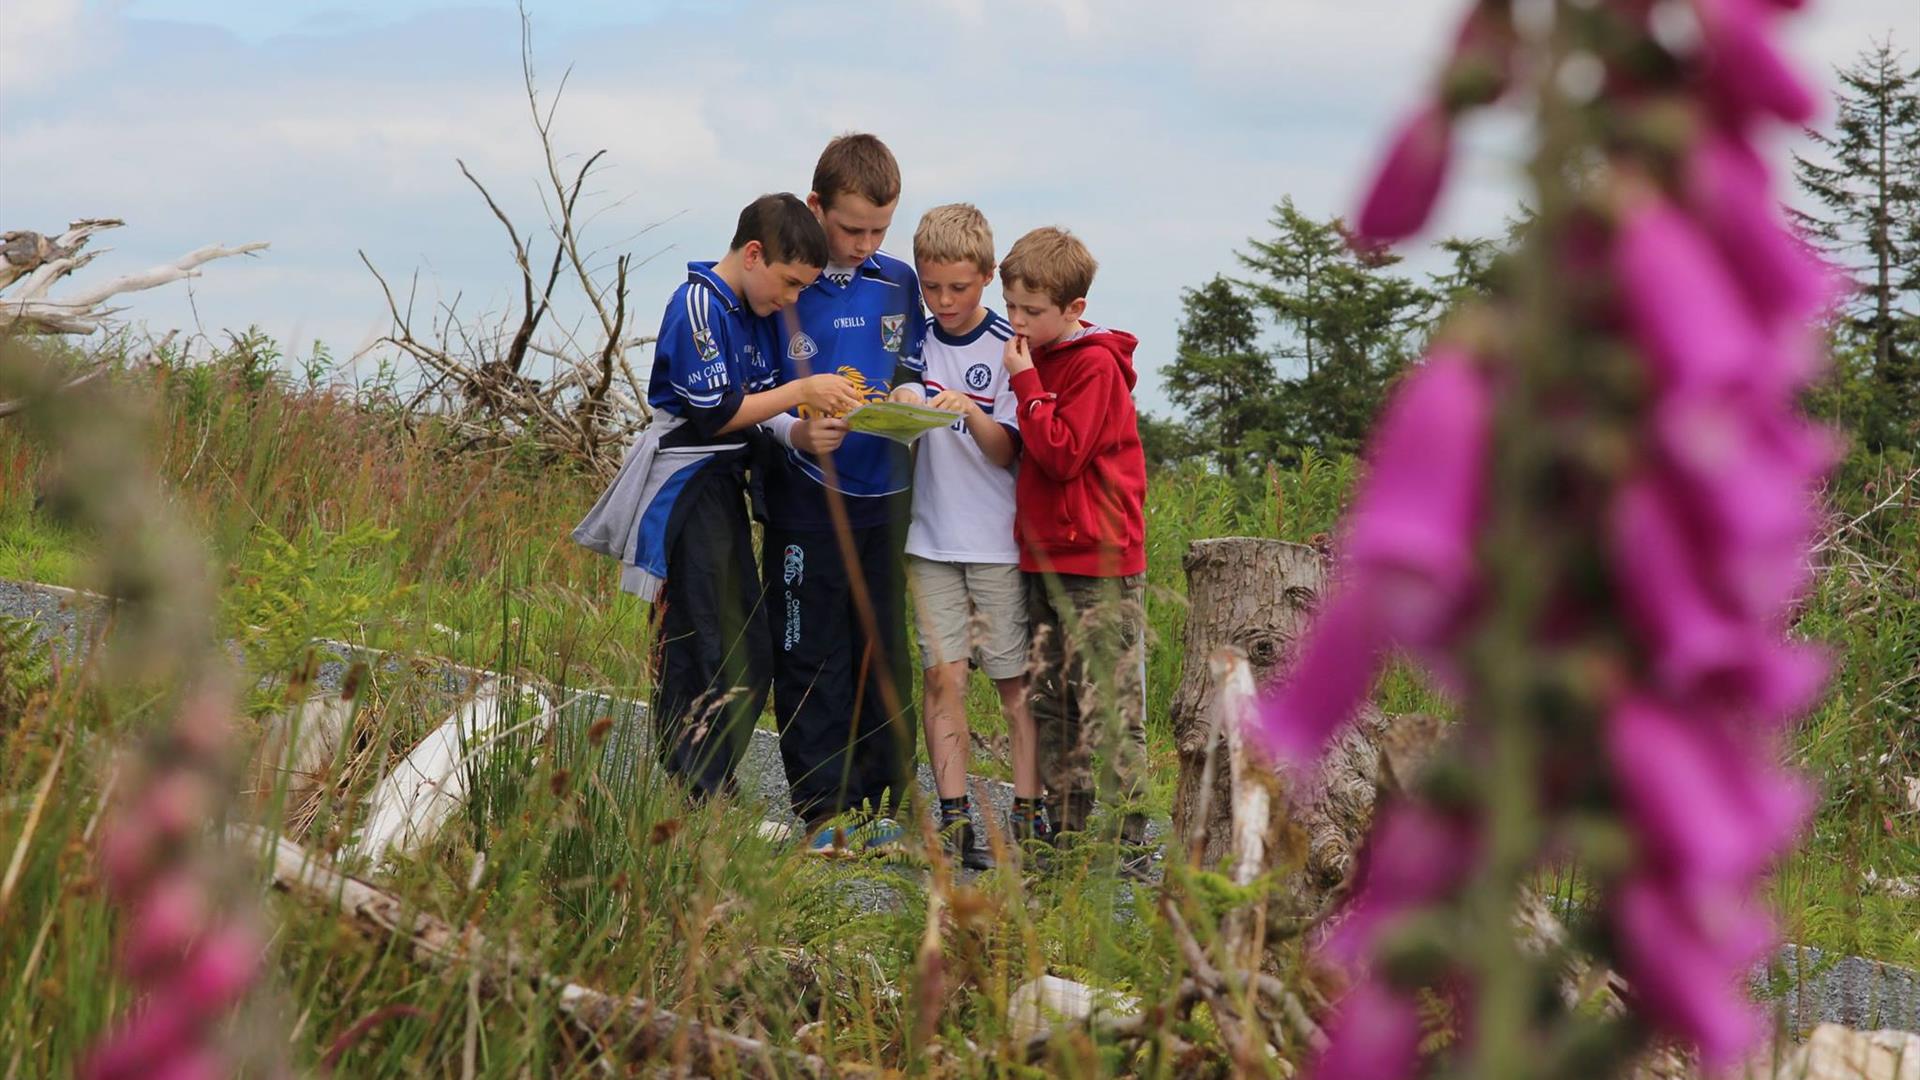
335, 518
327, 518
32, 548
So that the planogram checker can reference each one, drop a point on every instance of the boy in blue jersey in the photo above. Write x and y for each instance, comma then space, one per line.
841, 685
675, 515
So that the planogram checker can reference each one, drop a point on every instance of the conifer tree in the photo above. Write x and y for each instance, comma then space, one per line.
1347, 323
1221, 378
1867, 219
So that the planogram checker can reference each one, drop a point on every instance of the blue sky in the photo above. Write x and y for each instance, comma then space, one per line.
1160, 132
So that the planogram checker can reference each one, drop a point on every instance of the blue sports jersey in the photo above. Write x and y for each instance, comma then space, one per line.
869, 330
712, 352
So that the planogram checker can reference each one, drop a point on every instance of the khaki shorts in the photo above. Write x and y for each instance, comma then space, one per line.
974, 611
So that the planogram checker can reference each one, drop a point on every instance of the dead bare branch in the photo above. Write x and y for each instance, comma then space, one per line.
641, 1029
477, 379
30, 265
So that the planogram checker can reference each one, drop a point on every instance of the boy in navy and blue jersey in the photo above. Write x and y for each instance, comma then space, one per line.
841, 694
675, 515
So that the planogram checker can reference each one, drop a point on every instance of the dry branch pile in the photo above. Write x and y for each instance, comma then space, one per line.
477, 367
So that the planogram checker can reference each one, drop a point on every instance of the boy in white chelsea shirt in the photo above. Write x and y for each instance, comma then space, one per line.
962, 561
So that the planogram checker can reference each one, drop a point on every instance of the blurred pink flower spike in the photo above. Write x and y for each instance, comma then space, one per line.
1407, 562
1413, 857
1704, 805
1745, 73
1408, 183
1680, 304
1686, 957
1374, 1035
1782, 278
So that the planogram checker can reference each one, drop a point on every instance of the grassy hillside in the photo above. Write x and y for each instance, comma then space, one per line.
334, 514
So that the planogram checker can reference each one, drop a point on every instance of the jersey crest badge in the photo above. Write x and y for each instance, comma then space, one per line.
703, 341
801, 347
978, 376
893, 332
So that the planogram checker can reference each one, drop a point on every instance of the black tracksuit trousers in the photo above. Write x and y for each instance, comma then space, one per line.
841, 744
711, 640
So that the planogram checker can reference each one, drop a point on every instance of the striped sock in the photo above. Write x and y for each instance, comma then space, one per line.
955, 809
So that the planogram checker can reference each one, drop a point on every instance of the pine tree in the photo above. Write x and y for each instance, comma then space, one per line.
1221, 378
1347, 322
1868, 220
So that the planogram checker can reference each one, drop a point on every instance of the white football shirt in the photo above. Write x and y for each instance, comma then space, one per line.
963, 503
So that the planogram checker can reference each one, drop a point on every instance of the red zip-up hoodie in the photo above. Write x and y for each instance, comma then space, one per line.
1079, 501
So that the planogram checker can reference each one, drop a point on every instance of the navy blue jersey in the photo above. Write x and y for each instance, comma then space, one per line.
868, 330
712, 352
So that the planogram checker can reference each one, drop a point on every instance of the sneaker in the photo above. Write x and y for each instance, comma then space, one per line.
828, 840
1140, 862
878, 834
964, 845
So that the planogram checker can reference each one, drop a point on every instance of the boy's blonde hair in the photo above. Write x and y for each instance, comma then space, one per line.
1050, 261
956, 232
856, 164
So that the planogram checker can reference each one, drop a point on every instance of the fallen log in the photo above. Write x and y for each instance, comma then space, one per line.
636, 1027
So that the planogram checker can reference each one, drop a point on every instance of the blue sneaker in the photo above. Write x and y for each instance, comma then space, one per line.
879, 834
828, 840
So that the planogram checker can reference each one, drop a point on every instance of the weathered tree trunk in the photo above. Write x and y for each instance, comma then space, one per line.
30, 264
1255, 595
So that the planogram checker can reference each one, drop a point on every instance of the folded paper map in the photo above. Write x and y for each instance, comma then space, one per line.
897, 420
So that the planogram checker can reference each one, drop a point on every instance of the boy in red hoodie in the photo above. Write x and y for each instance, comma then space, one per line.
1080, 523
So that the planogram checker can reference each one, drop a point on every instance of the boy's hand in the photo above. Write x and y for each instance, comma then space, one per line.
1017, 357
828, 395
819, 436
954, 401
907, 395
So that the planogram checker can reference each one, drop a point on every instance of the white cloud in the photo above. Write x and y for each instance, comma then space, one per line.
46, 41
1163, 133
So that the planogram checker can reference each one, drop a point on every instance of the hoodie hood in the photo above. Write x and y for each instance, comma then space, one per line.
1117, 343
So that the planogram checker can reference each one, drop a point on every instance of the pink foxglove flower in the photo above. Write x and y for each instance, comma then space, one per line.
1407, 562
1704, 803
1408, 183
1662, 677
1781, 277
1680, 303
1374, 1035
1745, 72
1686, 959
1333, 671
1413, 856
1698, 645
1423, 496
193, 956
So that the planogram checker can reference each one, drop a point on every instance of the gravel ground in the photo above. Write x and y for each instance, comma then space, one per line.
1809, 989
761, 775
1864, 994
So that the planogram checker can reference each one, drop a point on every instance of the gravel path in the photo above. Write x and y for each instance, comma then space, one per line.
1810, 988
64, 613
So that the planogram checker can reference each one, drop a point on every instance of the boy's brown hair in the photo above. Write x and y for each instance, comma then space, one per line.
956, 232
856, 164
1050, 261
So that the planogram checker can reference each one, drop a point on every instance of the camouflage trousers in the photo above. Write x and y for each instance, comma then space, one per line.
1088, 695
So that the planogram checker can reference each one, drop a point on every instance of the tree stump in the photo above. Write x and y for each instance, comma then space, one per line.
1253, 594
